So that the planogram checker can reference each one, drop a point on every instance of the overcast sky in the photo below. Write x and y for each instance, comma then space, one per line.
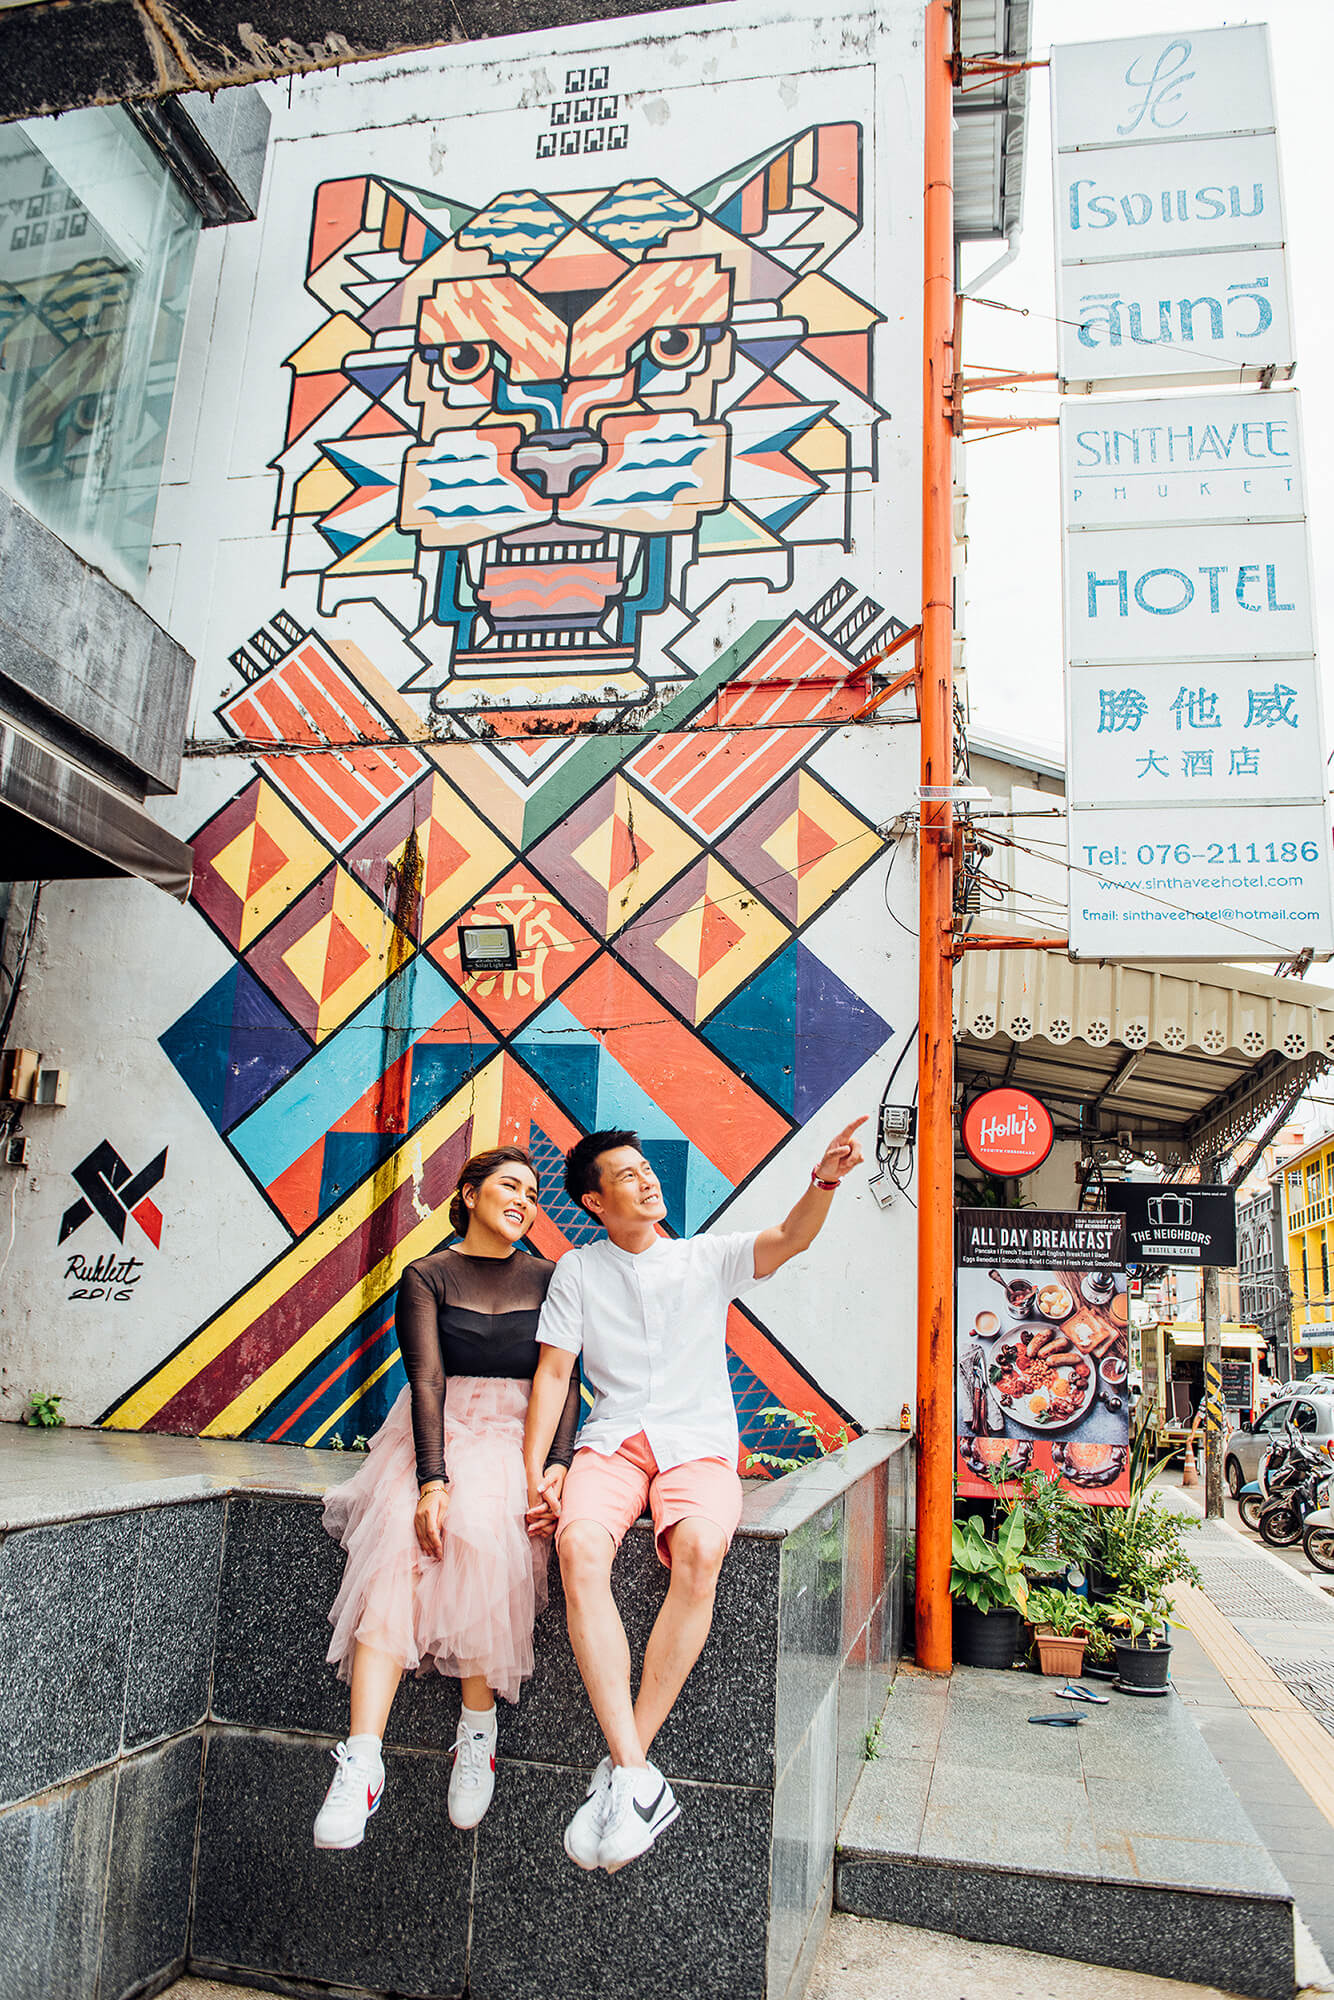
1013, 618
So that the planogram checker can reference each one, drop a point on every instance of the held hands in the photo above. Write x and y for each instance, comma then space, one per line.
544, 1503
429, 1520
842, 1154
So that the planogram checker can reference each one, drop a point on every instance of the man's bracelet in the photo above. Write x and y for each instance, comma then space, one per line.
825, 1187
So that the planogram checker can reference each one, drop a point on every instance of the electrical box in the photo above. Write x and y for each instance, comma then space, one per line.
898, 1126
52, 1087
18, 1074
16, 1150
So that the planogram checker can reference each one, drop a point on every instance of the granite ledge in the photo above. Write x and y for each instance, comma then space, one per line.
73, 1474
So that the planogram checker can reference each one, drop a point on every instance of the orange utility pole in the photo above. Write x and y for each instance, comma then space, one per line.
935, 1054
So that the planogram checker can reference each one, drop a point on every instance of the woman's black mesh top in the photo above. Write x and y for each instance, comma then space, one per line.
459, 1315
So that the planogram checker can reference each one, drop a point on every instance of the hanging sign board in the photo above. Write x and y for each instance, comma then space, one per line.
1007, 1132
1042, 1333
1198, 824
1178, 1225
1169, 214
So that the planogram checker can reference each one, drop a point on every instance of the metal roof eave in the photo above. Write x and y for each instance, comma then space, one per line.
1170, 1053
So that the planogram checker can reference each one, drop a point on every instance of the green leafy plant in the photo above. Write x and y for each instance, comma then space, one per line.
361, 1442
809, 1430
1056, 1523
871, 1744
1061, 1611
1098, 1646
336, 1442
989, 1575
43, 1412
1140, 1617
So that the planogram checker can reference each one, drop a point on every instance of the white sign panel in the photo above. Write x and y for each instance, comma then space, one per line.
1188, 593
1184, 883
1169, 211
1219, 316
1152, 734
1190, 458
1148, 87
1133, 201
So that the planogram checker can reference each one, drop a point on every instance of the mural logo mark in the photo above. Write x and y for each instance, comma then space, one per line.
114, 1192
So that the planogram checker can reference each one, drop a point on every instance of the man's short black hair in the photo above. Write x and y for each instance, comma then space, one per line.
582, 1173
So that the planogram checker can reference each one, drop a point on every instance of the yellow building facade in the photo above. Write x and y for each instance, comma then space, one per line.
1308, 1216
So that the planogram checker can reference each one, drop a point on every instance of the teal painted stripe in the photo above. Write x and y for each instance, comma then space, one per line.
302, 1110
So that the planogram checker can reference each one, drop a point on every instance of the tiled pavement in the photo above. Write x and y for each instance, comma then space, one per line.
1256, 1667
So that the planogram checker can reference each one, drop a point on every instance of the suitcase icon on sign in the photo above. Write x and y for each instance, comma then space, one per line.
1170, 1211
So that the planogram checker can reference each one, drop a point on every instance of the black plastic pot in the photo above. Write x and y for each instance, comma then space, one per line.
1098, 1670
1143, 1669
985, 1638
1101, 1586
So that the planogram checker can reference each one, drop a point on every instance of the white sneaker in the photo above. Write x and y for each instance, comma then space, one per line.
642, 1805
353, 1796
583, 1835
473, 1779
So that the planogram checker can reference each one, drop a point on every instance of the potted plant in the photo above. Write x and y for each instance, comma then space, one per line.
990, 1590
1099, 1648
1060, 1630
1139, 1637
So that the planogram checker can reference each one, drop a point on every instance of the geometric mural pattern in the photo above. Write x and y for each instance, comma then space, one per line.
703, 1022
661, 870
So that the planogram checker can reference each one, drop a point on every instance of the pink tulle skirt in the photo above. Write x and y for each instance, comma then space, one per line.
472, 1611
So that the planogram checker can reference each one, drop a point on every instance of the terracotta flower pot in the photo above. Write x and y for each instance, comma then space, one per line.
1060, 1652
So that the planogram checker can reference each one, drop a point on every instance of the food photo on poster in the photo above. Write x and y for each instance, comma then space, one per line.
1042, 1347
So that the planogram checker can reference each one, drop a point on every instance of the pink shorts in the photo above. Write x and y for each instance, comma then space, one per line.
612, 1491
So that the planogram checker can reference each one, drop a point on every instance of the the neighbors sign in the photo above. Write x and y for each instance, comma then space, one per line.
1178, 1225
1198, 825
1169, 221
1007, 1132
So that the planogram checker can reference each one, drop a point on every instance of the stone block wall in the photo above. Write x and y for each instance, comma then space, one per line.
165, 1714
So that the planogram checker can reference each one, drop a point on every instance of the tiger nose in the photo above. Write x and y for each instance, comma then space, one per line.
556, 463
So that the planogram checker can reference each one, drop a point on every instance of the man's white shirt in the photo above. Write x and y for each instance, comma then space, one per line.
651, 1330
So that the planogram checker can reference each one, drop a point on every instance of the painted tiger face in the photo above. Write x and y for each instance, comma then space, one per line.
538, 414
564, 421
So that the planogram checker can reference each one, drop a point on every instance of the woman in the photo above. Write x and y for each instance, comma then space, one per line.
441, 1573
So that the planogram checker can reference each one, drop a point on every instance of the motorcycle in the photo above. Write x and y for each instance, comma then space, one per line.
1254, 1495
1318, 1534
1295, 1494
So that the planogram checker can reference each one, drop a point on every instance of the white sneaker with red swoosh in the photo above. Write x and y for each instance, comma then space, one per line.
473, 1778
642, 1805
353, 1796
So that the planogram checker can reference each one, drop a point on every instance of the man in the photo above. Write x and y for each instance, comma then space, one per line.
648, 1314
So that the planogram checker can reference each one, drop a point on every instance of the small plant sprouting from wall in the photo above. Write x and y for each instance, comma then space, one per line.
43, 1412
813, 1438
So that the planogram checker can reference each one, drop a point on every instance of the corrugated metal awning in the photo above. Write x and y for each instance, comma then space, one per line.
59, 823
1024, 994
1170, 1054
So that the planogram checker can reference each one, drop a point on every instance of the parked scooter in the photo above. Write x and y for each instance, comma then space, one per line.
1295, 1493
1254, 1495
1318, 1532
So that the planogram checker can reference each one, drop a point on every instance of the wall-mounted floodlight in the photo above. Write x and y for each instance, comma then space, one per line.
488, 948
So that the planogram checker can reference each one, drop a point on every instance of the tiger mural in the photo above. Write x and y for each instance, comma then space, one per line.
539, 414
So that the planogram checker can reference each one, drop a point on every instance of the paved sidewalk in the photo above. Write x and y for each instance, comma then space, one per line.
1256, 1665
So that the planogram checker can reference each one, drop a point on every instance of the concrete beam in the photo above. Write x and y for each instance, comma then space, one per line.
76, 52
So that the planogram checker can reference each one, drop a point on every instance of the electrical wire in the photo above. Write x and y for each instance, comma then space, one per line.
21, 966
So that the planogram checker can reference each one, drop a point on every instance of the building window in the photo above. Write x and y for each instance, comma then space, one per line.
1264, 1246
1324, 1266
97, 247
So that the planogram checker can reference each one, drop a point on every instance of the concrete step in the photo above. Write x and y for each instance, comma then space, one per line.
1116, 1843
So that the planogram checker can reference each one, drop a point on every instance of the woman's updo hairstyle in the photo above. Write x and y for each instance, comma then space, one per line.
478, 1169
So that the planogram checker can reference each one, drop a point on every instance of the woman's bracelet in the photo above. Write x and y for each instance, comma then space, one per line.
825, 1187
430, 1487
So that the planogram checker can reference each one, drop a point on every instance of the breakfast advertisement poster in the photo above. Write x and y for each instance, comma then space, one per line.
1042, 1346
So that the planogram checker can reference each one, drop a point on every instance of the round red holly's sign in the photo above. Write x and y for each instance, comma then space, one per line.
1007, 1132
